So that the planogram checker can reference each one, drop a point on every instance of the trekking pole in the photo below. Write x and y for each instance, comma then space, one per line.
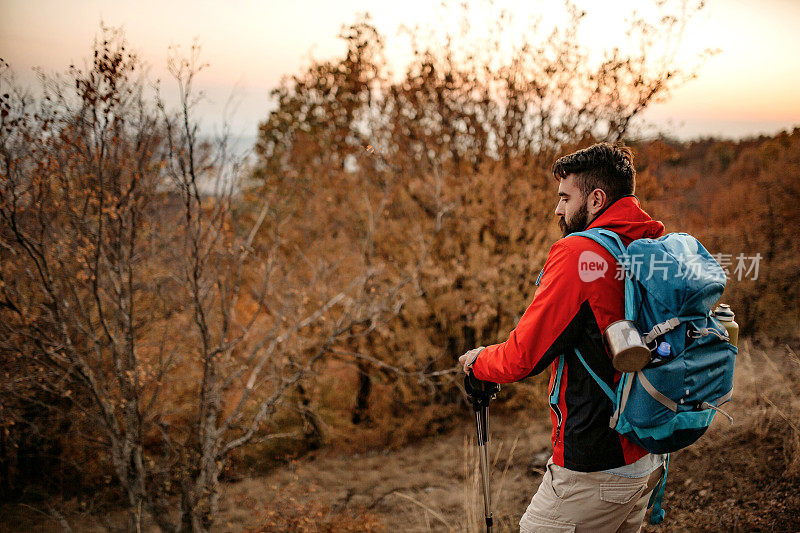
480, 393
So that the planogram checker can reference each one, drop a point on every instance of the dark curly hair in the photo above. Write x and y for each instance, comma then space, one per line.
601, 166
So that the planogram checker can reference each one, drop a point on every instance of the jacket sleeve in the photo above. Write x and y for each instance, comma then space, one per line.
528, 349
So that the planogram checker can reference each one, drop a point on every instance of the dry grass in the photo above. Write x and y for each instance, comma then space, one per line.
502, 507
767, 380
304, 511
739, 477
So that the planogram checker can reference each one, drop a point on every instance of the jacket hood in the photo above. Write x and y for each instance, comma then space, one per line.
627, 219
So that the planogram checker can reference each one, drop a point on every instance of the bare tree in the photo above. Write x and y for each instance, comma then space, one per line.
171, 322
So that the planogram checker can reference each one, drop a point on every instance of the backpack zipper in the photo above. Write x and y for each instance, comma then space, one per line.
557, 412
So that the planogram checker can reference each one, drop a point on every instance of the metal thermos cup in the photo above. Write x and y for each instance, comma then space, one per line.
725, 315
628, 350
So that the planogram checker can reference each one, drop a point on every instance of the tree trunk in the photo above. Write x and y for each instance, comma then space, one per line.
312, 429
361, 408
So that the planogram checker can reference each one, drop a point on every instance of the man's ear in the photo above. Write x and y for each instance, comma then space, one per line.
596, 201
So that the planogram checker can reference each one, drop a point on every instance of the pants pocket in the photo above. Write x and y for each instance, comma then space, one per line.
559, 483
532, 523
622, 493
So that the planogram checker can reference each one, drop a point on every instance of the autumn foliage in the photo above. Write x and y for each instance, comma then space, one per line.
165, 323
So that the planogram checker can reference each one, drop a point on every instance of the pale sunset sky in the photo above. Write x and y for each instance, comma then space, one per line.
751, 86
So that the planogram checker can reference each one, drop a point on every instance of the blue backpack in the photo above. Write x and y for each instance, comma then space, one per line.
671, 285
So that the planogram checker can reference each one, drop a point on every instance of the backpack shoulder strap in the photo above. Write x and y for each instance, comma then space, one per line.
613, 243
605, 238
603, 385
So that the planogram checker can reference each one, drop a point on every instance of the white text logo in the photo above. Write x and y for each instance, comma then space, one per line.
591, 266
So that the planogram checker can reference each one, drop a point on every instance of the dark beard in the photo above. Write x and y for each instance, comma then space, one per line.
578, 222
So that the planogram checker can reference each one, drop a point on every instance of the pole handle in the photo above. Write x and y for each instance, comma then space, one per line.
479, 392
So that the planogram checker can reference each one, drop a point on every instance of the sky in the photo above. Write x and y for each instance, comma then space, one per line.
749, 87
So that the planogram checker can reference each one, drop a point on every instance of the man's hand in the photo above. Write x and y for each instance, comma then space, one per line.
469, 358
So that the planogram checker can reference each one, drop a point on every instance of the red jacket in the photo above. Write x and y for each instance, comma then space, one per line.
575, 301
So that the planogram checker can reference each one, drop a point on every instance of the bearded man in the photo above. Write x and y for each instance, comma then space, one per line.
596, 480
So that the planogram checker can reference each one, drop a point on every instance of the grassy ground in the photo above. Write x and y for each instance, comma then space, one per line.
743, 476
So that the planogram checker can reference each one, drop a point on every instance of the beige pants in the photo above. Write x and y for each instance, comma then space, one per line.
570, 501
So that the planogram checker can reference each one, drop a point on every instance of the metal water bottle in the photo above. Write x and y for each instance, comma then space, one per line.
629, 353
725, 315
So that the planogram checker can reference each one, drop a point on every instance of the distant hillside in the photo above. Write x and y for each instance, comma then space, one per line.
742, 200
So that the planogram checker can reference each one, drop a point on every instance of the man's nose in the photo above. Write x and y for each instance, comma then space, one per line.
559, 211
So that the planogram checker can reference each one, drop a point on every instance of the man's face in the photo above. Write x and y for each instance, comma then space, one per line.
572, 212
